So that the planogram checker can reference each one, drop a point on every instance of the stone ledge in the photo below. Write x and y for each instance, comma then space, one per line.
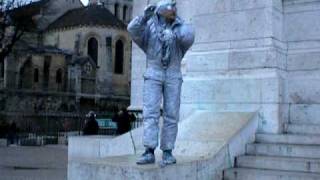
207, 143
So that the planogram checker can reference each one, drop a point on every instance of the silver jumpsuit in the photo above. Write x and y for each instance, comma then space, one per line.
163, 78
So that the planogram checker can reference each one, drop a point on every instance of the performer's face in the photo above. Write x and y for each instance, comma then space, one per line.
169, 12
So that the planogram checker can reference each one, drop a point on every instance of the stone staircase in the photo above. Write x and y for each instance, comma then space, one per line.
294, 155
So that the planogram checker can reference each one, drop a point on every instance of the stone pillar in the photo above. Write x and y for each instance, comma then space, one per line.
302, 34
109, 64
237, 63
104, 71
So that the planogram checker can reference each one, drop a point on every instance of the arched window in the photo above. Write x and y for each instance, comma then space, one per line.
116, 9
36, 75
118, 68
2, 69
124, 13
93, 49
59, 76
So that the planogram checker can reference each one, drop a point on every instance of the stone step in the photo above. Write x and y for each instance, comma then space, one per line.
279, 163
287, 150
263, 174
302, 129
288, 139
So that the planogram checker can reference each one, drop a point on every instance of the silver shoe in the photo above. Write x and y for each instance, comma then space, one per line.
167, 158
146, 158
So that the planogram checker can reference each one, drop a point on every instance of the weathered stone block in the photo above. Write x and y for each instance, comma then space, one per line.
255, 4
305, 113
302, 26
234, 25
231, 89
257, 58
207, 61
303, 87
304, 60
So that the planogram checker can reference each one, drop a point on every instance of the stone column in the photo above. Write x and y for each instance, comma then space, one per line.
238, 60
302, 34
237, 63
109, 63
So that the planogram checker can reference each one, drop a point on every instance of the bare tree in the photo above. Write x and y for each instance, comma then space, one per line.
14, 23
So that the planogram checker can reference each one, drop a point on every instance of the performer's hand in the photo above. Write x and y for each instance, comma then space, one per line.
149, 11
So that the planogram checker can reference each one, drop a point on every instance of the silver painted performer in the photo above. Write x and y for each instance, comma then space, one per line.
165, 39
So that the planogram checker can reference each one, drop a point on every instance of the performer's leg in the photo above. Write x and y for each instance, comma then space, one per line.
171, 108
152, 94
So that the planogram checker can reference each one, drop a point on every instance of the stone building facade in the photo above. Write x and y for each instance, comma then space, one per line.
78, 59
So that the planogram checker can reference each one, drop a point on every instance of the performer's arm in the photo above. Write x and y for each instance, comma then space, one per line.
185, 37
138, 28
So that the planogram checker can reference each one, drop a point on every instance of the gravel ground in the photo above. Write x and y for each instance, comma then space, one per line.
33, 163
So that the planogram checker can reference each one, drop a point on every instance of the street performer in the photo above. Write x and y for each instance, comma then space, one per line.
165, 39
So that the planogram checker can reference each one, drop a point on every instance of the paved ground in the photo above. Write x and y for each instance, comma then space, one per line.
33, 163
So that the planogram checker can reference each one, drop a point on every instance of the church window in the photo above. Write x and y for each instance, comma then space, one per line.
124, 15
36, 75
116, 9
93, 49
108, 41
119, 57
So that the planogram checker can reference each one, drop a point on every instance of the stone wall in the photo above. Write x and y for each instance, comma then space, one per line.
20, 71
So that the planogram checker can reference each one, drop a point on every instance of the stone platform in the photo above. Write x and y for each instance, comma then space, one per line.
124, 167
207, 143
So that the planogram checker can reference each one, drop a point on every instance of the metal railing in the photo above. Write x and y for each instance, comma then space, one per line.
53, 128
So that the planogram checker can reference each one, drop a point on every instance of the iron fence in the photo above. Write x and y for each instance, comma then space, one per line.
55, 128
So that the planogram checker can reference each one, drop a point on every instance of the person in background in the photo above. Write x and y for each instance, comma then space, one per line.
123, 120
91, 126
12, 133
4, 127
